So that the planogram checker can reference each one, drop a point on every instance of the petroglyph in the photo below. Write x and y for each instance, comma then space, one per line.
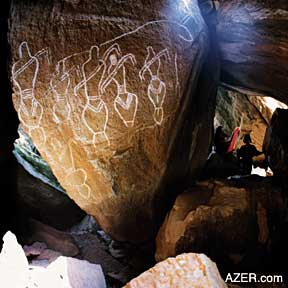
156, 91
59, 84
95, 112
86, 91
125, 103
97, 73
30, 111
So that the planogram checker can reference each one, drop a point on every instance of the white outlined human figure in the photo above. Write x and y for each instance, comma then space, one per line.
62, 155
156, 90
59, 84
76, 177
30, 111
125, 103
95, 112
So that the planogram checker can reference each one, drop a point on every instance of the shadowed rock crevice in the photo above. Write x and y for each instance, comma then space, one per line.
9, 211
253, 42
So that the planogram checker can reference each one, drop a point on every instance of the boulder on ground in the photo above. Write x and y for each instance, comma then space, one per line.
232, 221
211, 215
184, 271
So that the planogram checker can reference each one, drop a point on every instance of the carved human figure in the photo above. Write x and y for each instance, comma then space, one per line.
76, 177
62, 155
24, 76
156, 90
125, 103
95, 111
59, 84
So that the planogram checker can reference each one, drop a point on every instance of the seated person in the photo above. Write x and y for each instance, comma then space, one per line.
245, 155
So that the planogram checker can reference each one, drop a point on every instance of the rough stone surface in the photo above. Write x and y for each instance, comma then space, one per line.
252, 112
266, 105
45, 203
253, 41
56, 240
107, 99
206, 213
234, 109
184, 271
121, 262
276, 144
231, 221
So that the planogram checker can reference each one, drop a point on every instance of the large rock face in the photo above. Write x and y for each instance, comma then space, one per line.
276, 144
254, 45
106, 100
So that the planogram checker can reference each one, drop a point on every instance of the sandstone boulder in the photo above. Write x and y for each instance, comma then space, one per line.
209, 212
184, 271
231, 221
254, 45
107, 99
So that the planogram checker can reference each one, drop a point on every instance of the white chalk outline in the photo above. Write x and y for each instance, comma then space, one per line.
105, 81
189, 39
131, 98
160, 92
29, 92
88, 106
178, 87
60, 77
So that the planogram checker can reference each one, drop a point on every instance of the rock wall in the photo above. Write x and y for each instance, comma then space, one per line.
254, 45
235, 222
107, 98
234, 109
276, 145
252, 112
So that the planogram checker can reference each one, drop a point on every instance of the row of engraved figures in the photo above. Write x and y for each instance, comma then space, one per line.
96, 72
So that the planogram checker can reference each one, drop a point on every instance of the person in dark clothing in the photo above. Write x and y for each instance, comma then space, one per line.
221, 141
245, 155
